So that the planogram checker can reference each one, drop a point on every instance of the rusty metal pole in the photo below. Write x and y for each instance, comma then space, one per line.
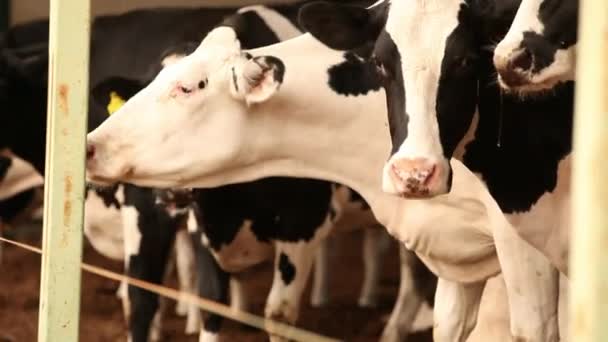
589, 261
64, 181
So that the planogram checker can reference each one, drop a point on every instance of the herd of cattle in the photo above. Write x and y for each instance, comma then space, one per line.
222, 138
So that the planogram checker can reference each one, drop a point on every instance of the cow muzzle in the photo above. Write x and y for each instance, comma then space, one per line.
515, 69
415, 177
102, 169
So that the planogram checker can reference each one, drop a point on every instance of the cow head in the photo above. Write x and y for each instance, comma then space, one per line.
197, 103
539, 49
426, 54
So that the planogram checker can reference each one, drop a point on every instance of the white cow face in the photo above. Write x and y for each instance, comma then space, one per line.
194, 113
539, 49
425, 52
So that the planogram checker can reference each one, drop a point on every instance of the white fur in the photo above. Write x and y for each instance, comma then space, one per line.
206, 336
20, 176
132, 235
421, 72
103, 226
244, 251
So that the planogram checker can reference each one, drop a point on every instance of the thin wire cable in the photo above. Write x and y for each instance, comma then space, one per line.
270, 326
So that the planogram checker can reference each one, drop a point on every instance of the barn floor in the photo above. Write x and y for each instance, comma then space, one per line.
101, 318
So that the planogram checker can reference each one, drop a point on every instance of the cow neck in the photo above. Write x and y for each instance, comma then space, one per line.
307, 130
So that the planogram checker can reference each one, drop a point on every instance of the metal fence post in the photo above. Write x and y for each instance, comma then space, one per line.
589, 258
64, 181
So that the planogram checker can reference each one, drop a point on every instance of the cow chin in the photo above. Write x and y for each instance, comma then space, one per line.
560, 71
535, 85
104, 176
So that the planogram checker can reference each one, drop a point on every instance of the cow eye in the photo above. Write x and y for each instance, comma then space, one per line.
562, 44
184, 90
202, 84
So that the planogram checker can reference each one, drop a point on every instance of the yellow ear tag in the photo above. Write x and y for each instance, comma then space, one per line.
115, 102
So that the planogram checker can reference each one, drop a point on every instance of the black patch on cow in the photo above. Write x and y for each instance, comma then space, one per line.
5, 164
213, 282
354, 76
125, 88
536, 135
388, 59
343, 26
560, 28
251, 30
302, 205
106, 193
457, 89
11, 207
287, 269
277, 65
158, 231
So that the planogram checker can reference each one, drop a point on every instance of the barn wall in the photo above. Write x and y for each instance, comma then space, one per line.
26, 10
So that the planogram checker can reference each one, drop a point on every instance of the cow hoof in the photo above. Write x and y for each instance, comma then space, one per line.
207, 336
319, 301
369, 302
392, 334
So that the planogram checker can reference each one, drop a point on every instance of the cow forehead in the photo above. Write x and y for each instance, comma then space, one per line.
420, 30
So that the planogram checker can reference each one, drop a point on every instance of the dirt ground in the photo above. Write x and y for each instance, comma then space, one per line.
101, 317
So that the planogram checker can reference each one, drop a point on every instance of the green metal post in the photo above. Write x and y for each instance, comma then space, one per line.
64, 180
589, 259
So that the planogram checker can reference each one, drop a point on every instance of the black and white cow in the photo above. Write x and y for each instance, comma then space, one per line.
239, 226
132, 207
295, 109
539, 51
519, 147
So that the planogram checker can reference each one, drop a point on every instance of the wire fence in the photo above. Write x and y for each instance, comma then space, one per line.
270, 326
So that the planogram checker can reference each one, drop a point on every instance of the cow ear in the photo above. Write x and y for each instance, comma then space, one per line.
343, 27
113, 92
257, 79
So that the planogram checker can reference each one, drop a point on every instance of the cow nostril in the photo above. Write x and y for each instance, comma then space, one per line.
90, 151
523, 60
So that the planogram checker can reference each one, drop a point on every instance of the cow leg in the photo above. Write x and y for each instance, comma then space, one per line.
186, 274
456, 309
213, 284
320, 286
148, 246
238, 297
532, 288
293, 262
415, 281
376, 243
